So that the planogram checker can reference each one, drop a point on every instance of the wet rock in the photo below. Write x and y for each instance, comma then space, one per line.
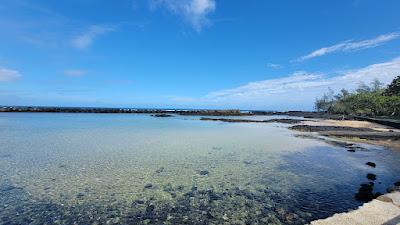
384, 198
150, 208
5, 156
351, 150
148, 185
204, 172
288, 121
7, 187
371, 164
397, 183
371, 176
393, 188
160, 170
365, 193
289, 217
140, 201
80, 195
162, 115
168, 188
180, 188
310, 128
247, 162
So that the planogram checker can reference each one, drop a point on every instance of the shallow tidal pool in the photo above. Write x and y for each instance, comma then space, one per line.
137, 169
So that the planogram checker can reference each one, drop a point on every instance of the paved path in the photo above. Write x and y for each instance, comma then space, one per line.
385, 210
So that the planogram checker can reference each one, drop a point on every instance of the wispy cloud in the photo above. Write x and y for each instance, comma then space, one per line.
194, 12
298, 80
348, 46
273, 65
297, 90
85, 39
8, 75
75, 73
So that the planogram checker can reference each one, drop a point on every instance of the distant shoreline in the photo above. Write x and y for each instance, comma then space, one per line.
201, 112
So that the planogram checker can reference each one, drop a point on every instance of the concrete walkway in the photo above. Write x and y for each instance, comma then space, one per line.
383, 210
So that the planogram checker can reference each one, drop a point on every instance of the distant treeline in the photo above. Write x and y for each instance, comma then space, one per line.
367, 100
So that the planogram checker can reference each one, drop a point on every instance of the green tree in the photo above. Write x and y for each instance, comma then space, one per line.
376, 85
394, 87
373, 100
324, 103
363, 88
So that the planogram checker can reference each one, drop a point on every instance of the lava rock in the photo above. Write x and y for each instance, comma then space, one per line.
204, 172
148, 185
371, 176
140, 201
393, 189
80, 195
247, 162
160, 170
371, 164
365, 193
7, 187
162, 115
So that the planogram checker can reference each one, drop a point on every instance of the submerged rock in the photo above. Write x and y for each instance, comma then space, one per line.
5, 156
140, 201
148, 185
204, 172
247, 162
393, 189
162, 115
365, 193
371, 176
371, 164
80, 195
7, 187
160, 170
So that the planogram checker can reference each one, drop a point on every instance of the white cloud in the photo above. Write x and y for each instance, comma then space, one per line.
75, 73
194, 12
273, 65
84, 40
296, 91
351, 46
8, 75
298, 80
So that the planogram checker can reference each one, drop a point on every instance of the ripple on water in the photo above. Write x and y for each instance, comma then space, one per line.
121, 169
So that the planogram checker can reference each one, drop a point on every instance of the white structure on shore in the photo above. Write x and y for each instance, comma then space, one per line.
385, 210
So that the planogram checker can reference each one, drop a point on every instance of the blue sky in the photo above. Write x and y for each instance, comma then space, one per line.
272, 55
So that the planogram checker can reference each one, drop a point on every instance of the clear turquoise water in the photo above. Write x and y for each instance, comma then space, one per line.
137, 169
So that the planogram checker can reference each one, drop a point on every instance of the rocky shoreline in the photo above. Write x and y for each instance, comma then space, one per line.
374, 135
288, 121
159, 112
383, 210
